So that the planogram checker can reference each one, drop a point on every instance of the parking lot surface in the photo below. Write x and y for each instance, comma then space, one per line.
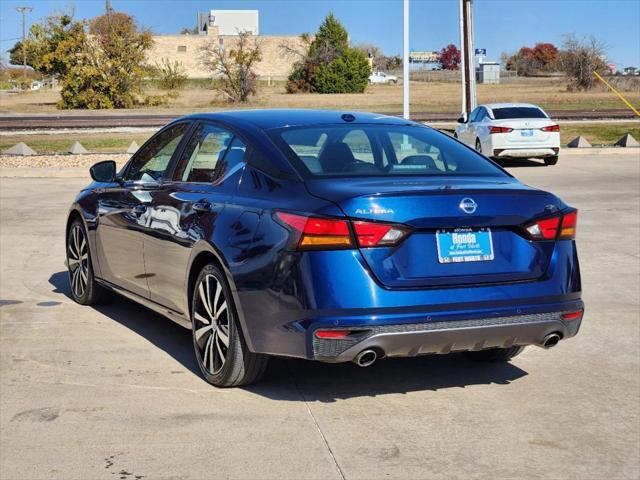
113, 392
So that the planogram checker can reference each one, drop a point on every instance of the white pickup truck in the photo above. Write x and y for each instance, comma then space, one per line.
381, 77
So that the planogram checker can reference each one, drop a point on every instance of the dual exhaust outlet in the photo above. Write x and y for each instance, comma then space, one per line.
550, 340
367, 357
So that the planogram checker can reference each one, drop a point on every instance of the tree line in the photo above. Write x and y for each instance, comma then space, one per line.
102, 63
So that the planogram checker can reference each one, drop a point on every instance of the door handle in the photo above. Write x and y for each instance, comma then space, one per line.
202, 206
139, 209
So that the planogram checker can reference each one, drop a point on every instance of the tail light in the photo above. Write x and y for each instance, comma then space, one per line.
572, 315
332, 334
569, 224
331, 233
551, 128
559, 227
371, 234
317, 232
500, 130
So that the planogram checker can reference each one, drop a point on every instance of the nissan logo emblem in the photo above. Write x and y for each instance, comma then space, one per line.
468, 205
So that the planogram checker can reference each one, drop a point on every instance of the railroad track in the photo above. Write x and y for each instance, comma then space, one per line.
46, 122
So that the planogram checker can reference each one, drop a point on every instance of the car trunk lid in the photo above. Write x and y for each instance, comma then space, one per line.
433, 209
525, 130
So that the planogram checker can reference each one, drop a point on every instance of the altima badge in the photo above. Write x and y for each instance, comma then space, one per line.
468, 205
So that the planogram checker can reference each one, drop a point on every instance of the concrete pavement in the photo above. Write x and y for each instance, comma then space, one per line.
113, 392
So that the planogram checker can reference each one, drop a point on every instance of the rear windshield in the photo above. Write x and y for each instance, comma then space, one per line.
517, 112
379, 150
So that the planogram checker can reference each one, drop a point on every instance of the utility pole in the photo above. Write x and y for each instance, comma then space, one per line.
108, 10
405, 61
24, 11
466, 47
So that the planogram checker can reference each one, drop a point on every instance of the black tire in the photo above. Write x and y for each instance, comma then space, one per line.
84, 288
478, 145
549, 161
229, 365
495, 354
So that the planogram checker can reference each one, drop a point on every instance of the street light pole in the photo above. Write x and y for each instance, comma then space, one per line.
24, 11
466, 47
405, 61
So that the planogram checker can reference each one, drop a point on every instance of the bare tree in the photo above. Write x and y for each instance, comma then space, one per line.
297, 51
580, 57
233, 66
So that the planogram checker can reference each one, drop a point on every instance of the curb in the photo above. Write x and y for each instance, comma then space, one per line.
45, 172
599, 151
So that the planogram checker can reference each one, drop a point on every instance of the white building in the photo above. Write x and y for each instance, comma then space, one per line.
229, 22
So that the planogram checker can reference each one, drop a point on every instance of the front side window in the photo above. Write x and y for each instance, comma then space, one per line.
211, 155
389, 150
151, 162
473, 115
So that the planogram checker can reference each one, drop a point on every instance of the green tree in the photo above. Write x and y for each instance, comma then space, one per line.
100, 64
348, 73
108, 70
331, 40
329, 64
51, 45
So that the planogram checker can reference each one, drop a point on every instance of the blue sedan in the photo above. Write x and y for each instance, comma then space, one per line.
329, 236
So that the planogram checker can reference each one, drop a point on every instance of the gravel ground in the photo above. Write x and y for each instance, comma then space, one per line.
62, 161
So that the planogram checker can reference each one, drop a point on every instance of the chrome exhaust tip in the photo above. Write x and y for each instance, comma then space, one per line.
366, 358
551, 340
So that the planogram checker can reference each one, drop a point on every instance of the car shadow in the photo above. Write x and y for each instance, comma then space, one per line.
295, 379
160, 331
519, 163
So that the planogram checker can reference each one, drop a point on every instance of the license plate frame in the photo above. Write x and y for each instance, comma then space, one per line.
461, 245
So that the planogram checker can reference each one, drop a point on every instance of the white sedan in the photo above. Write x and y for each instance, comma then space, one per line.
511, 130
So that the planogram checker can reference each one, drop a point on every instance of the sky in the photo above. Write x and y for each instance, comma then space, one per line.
499, 25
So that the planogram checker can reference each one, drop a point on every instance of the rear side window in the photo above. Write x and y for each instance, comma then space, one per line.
518, 112
203, 154
379, 150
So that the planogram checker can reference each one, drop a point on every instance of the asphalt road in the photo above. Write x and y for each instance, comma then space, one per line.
113, 392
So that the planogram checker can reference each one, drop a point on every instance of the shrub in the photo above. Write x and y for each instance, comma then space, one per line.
233, 67
171, 75
580, 58
348, 73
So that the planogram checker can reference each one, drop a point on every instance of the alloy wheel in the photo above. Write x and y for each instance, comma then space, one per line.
212, 324
78, 259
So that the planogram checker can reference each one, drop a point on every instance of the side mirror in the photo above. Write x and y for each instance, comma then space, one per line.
103, 172
463, 118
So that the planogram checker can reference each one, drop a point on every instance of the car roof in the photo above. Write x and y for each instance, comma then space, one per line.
493, 106
278, 118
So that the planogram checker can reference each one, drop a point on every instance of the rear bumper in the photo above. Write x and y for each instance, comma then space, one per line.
528, 152
441, 337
